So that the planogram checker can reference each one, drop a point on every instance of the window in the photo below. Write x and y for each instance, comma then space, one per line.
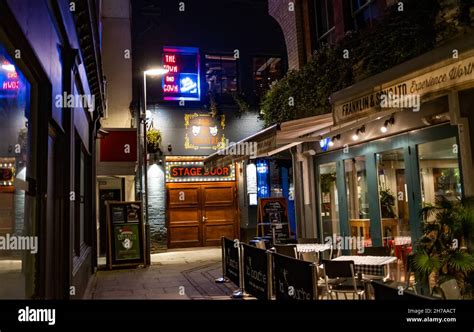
325, 29
439, 171
329, 200
364, 13
357, 197
393, 196
266, 71
221, 74
16, 208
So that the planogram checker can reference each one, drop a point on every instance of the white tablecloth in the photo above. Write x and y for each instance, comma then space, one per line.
373, 265
312, 247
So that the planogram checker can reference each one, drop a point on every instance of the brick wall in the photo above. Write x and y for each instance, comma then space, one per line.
290, 23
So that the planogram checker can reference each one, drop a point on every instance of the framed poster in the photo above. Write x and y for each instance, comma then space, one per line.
125, 234
126, 241
118, 213
272, 219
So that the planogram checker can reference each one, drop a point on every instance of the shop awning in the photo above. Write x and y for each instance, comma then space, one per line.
272, 140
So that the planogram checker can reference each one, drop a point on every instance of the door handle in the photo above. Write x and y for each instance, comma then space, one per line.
204, 219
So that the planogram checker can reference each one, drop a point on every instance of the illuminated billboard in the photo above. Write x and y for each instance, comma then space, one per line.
182, 80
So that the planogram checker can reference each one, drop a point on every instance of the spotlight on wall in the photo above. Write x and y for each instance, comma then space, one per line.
359, 131
170, 148
386, 124
333, 139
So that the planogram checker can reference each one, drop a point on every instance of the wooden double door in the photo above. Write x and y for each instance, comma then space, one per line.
199, 214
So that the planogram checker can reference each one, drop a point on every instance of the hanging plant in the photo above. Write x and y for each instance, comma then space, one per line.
153, 137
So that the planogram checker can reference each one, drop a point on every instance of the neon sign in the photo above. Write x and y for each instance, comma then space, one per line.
9, 81
191, 171
182, 80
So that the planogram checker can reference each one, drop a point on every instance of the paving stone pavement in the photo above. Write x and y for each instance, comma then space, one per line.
173, 275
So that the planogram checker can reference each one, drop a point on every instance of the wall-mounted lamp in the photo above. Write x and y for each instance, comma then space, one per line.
333, 139
170, 148
359, 131
386, 124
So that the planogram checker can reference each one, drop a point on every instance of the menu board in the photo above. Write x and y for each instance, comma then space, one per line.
125, 234
273, 219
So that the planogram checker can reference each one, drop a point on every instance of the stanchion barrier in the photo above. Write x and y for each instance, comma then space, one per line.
230, 261
315, 276
222, 279
240, 293
294, 279
270, 275
256, 272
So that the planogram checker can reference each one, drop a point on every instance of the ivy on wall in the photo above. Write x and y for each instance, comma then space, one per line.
400, 36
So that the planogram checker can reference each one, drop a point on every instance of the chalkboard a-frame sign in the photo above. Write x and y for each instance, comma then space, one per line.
273, 219
125, 234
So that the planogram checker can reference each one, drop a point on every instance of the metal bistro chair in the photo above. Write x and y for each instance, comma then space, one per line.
286, 249
313, 257
340, 278
376, 251
304, 240
325, 254
407, 284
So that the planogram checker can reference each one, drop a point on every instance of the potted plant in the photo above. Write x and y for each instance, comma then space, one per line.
153, 138
387, 203
441, 253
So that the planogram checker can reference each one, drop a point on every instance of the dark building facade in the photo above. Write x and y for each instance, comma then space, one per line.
51, 98
210, 42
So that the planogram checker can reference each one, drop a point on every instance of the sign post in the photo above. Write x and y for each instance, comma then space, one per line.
125, 234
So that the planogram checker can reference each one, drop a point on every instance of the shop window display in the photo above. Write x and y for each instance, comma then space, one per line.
16, 256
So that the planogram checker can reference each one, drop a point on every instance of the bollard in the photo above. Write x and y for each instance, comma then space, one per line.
240, 293
222, 279
270, 275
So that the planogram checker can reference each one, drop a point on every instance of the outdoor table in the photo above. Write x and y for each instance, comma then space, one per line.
312, 247
371, 265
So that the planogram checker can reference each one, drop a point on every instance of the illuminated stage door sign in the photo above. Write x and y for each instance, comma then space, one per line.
182, 80
196, 171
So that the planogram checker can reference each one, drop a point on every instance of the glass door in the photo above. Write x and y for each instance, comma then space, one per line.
393, 198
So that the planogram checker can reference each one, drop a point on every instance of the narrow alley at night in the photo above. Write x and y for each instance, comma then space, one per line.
308, 158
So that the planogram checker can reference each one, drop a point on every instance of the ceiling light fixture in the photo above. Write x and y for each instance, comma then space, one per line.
333, 139
360, 130
386, 124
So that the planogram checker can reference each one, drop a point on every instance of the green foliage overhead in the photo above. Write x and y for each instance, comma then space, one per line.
398, 37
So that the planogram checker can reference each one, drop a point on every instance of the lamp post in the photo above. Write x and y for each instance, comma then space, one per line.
152, 73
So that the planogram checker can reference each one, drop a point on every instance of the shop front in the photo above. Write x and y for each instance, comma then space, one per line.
376, 190
382, 163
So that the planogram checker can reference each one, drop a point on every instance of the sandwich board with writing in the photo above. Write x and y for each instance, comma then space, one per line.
125, 234
272, 219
